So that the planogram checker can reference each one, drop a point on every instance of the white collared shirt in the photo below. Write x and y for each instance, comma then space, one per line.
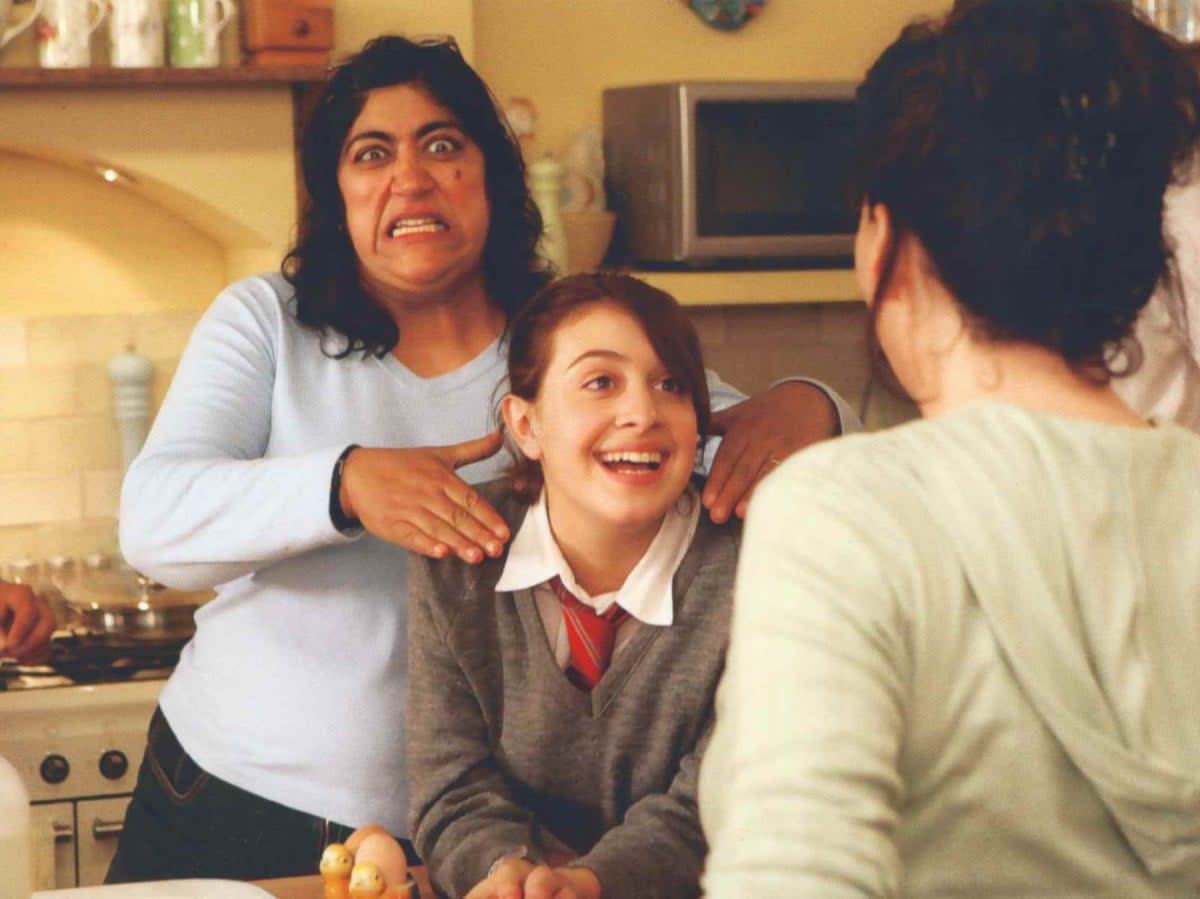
534, 559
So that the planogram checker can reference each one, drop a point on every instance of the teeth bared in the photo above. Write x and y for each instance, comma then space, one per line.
416, 226
636, 458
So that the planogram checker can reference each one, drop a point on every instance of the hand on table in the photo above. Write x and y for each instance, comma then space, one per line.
562, 883
506, 882
412, 497
519, 879
759, 433
26, 622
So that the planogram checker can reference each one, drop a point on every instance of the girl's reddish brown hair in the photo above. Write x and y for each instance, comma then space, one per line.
531, 332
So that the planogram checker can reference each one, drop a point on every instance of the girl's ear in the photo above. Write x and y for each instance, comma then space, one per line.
870, 247
519, 422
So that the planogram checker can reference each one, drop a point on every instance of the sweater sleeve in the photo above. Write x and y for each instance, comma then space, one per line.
462, 813
203, 504
657, 851
799, 788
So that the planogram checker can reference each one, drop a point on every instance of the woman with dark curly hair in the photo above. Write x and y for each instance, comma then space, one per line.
312, 432
969, 668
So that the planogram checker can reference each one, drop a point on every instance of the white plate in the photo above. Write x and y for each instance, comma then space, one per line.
163, 889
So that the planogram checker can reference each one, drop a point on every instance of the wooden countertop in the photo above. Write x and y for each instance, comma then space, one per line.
729, 288
312, 887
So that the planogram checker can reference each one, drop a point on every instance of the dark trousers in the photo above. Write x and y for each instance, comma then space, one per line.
184, 822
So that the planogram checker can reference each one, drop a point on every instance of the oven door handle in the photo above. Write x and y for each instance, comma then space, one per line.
102, 828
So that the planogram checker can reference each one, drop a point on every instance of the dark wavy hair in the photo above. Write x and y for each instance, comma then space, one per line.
531, 332
1028, 145
322, 266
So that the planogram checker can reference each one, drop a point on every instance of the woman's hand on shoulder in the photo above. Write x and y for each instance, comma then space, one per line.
26, 622
413, 498
759, 433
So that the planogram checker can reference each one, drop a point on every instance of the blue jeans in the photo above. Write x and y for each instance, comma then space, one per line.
184, 822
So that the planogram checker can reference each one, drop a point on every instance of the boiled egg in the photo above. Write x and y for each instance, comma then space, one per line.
355, 839
384, 852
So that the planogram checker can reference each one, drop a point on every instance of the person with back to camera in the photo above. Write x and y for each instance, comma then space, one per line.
313, 430
561, 694
968, 668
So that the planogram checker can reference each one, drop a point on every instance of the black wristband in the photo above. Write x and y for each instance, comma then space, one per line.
340, 520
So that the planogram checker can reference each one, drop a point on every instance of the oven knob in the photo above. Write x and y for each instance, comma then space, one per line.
54, 769
113, 764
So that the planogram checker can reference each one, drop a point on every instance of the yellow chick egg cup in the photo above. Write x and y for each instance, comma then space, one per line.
366, 881
336, 862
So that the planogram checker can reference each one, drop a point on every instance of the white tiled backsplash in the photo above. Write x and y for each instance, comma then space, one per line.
60, 456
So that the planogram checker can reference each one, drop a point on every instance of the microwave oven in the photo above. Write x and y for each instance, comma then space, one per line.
731, 173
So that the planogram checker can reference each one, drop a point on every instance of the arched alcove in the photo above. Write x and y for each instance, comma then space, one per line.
78, 236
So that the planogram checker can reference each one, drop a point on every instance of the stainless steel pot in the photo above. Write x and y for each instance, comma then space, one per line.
121, 603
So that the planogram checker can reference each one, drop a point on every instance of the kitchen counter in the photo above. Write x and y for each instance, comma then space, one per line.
745, 288
312, 887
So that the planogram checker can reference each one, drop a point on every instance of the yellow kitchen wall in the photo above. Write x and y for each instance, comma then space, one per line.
219, 159
357, 21
562, 53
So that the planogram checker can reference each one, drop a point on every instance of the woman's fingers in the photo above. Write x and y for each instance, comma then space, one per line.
759, 433
37, 647
412, 497
26, 622
469, 451
469, 507
548, 883
733, 474
19, 607
465, 536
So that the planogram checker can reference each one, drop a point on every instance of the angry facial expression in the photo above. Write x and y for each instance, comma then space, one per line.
413, 185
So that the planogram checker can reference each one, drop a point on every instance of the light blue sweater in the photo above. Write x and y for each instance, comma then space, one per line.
295, 685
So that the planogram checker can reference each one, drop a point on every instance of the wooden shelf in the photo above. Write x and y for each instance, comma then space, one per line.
241, 76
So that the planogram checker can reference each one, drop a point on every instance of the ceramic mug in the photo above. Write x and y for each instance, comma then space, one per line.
194, 31
64, 32
136, 35
7, 33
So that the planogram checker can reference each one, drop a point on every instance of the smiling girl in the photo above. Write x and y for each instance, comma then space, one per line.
561, 693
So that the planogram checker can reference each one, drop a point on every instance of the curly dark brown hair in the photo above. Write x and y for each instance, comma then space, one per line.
323, 268
1028, 145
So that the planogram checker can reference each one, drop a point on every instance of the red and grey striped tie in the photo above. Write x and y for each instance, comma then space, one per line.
592, 637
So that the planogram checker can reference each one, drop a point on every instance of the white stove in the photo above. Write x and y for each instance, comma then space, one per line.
78, 749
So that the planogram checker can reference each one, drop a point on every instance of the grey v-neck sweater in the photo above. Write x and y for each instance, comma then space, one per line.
504, 752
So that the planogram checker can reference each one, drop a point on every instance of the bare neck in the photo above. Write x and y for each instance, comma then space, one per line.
440, 334
968, 369
601, 556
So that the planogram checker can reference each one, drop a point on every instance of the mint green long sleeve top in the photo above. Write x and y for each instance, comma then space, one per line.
965, 662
